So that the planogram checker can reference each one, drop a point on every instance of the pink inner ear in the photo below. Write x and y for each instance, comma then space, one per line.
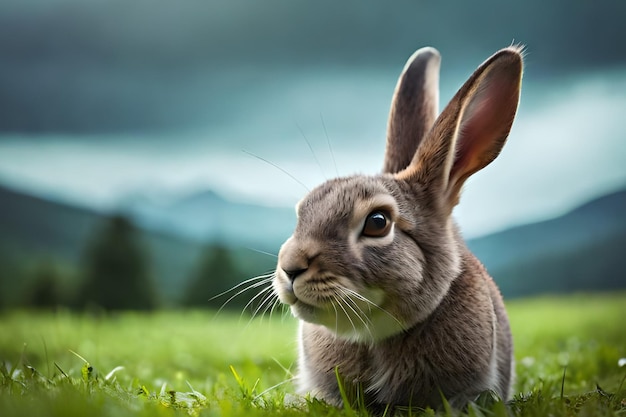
486, 122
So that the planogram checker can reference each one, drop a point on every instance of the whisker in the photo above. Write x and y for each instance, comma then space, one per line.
249, 287
336, 316
266, 295
311, 149
373, 304
265, 304
353, 297
255, 285
262, 252
264, 276
330, 148
359, 316
350, 299
275, 304
261, 293
338, 299
277, 167
285, 312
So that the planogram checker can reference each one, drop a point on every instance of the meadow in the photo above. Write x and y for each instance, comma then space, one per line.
568, 351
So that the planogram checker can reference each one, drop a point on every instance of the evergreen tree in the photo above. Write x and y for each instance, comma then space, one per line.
44, 291
216, 273
13, 278
116, 275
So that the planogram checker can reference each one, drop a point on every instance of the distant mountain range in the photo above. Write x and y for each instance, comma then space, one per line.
206, 216
34, 228
582, 250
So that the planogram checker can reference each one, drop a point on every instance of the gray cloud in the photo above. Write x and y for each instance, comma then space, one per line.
76, 66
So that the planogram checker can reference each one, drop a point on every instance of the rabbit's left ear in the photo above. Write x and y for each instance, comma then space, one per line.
414, 108
471, 130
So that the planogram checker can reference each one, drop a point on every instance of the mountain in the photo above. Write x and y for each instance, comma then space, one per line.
31, 225
206, 216
580, 250
33, 228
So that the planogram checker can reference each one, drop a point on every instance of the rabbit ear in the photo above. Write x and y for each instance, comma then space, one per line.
414, 108
472, 129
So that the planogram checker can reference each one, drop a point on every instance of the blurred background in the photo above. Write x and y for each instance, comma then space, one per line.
151, 151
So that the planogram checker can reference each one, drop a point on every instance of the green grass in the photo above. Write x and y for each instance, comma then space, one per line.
181, 363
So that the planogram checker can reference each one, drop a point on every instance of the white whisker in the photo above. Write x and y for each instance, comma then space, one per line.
285, 312
338, 299
349, 303
263, 252
264, 281
265, 294
311, 149
264, 276
277, 167
266, 304
336, 316
330, 148
350, 299
275, 304
373, 304
261, 293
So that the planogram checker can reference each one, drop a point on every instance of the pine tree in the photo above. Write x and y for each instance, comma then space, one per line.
216, 273
116, 269
44, 291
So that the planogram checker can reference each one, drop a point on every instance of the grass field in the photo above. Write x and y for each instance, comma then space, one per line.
181, 363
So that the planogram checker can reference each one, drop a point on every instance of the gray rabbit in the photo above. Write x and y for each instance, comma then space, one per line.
387, 293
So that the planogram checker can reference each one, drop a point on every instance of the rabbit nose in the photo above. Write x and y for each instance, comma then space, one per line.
292, 274
296, 256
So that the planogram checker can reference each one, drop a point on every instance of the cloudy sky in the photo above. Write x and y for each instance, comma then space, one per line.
102, 101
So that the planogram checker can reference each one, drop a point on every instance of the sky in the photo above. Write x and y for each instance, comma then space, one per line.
103, 102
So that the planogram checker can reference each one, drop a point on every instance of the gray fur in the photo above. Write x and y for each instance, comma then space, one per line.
413, 314
414, 108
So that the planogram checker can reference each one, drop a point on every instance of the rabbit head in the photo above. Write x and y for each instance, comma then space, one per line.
371, 256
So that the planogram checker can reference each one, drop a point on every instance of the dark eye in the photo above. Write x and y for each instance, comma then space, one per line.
377, 224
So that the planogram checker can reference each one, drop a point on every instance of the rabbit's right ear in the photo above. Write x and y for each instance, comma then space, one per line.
471, 130
414, 108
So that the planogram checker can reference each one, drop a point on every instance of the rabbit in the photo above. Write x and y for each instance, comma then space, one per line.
390, 300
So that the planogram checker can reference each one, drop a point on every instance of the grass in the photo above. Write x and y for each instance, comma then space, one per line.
193, 363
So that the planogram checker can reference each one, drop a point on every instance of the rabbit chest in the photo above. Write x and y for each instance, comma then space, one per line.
452, 353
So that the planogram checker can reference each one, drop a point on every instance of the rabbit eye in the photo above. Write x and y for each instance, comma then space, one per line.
377, 224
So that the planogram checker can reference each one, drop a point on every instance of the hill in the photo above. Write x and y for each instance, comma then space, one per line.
33, 228
207, 216
581, 250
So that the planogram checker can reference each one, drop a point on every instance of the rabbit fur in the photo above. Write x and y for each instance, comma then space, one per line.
387, 293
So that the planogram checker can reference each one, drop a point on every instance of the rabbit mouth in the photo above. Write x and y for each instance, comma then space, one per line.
358, 314
350, 315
